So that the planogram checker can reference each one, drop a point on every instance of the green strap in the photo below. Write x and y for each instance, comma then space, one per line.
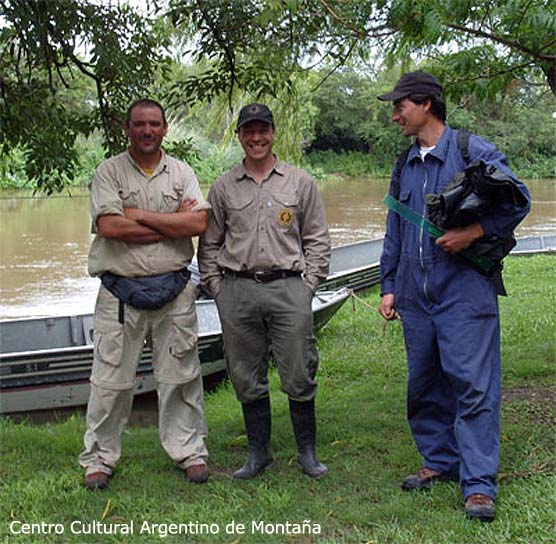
486, 265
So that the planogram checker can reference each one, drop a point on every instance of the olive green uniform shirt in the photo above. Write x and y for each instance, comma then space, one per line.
277, 224
120, 183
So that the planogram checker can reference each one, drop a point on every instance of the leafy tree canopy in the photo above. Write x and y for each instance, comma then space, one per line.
476, 45
68, 67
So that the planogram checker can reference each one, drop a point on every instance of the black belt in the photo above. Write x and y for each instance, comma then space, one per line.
263, 276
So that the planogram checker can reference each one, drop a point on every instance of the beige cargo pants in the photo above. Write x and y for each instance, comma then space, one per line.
177, 371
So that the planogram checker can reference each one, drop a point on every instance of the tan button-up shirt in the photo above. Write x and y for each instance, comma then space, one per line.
278, 224
120, 183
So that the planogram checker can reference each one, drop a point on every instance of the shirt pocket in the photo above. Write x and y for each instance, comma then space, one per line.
242, 213
409, 233
405, 199
405, 196
172, 198
284, 214
130, 197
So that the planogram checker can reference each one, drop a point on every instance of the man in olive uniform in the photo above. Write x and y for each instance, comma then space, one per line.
265, 251
145, 208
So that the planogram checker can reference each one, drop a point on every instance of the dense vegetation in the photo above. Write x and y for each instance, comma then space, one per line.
345, 130
363, 438
69, 68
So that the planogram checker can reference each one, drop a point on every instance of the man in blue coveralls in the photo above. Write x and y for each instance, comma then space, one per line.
449, 310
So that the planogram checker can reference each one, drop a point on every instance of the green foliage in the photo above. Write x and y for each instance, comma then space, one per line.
352, 163
89, 154
522, 126
506, 41
344, 111
256, 44
69, 67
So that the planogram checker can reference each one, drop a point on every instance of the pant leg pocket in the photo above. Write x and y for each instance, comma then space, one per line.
108, 346
107, 368
177, 358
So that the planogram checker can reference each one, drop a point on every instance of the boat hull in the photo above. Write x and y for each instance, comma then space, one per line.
58, 376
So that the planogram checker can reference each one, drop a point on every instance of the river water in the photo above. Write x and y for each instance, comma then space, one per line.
45, 241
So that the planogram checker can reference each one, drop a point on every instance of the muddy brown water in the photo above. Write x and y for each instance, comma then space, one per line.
45, 241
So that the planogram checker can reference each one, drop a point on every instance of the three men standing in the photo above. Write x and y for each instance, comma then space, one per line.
145, 207
263, 254
265, 251
449, 310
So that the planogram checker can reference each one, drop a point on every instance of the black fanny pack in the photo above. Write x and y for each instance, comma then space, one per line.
147, 292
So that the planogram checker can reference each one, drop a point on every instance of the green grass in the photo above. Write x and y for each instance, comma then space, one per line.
363, 438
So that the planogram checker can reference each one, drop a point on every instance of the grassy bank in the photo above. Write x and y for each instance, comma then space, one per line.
363, 438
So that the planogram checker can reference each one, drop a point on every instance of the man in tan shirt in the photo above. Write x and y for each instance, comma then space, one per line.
265, 251
145, 207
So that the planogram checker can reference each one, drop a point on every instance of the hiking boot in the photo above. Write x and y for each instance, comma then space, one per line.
198, 474
425, 477
97, 480
479, 506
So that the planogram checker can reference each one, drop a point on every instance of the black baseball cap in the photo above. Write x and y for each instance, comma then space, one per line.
414, 83
255, 112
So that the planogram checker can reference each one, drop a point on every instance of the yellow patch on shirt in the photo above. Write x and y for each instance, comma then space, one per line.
285, 217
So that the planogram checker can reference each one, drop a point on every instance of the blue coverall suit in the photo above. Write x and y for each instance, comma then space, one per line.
450, 321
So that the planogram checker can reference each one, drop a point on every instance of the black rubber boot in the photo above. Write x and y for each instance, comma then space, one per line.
257, 424
305, 430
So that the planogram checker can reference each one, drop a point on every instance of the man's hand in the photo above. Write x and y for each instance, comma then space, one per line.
455, 240
133, 214
387, 308
187, 205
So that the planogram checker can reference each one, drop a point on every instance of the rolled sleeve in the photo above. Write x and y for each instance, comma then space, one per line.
105, 197
192, 190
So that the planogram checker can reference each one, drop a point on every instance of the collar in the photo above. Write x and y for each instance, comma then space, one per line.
440, 150
241, 172
160, 167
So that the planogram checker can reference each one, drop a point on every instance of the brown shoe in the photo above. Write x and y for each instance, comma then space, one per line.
479, 506
425, 477
198, 474
97, 480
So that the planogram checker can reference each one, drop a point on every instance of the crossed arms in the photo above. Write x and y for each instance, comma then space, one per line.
138, 226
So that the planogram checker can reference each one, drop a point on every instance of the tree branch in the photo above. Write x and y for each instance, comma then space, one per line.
347, 55
228, 52
377, 32
502, 40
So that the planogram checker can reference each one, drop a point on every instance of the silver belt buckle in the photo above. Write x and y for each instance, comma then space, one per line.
258, 275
